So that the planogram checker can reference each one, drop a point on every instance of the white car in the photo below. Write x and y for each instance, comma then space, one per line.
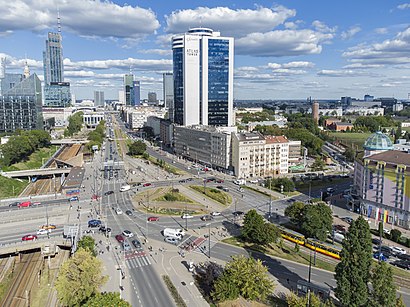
187, 216
43, 231
398, 250
254, 181
215, 213
118, 211
128, 233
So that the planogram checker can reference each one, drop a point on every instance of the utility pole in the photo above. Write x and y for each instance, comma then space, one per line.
209, 240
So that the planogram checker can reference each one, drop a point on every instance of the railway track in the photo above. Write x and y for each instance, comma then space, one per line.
19, 292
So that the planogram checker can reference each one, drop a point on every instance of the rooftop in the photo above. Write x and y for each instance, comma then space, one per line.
391, 157
270, 139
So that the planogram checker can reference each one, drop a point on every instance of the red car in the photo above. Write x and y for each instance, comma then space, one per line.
146, 184
29, 238
220, 181
24, 204
119, 238
153, 219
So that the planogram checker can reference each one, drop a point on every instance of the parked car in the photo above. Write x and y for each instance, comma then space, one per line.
254, 181
215, 213
24, 204
129, 212
171, 240
339, 228
207, 218
29, 238
48, 227
153, 219
43, 231
401, 264
330, 190
73, 198
136, 243
404, 257
187, 216
347, 219
397, 250
15, 204
220, 181
119, 238
128, 233
376, 241
238, 213
94, 223
109, 193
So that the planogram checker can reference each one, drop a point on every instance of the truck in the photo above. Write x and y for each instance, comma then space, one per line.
173, 233
124, 188
240, 181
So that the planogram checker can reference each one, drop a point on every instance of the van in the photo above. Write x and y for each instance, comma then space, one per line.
125, 188
174, 233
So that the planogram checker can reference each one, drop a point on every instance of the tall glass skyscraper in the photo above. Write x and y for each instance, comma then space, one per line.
128, 85
203, 78
136, 98
56, 91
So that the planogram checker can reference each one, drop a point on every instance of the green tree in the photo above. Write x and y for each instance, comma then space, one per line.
244, 276
106, 299
353, 271
317, 221
87, 243
79, 278
395, 235
383, 291
295, 212
318, 165
75, 123
349, 154
137, 148
399, 302
257, 231
296, 301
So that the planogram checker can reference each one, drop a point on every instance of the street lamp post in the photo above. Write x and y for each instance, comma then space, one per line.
209, 240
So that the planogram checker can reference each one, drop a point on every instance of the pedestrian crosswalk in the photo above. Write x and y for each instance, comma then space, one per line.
136, 260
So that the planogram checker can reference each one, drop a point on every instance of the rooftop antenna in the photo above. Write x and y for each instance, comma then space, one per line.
58, 21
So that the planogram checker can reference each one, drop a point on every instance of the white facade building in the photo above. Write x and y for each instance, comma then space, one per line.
203, 78
255, 155
364, 111
137, 117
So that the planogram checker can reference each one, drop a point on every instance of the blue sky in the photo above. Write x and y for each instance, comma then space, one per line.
284, 49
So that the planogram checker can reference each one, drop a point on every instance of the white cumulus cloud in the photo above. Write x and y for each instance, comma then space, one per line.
230, 22
138, 64
352, 31
404, 6
87, 18
282, 43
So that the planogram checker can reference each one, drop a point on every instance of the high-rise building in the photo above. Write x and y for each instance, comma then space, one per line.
56, 91
20, 103
203, 78
315, 111
136, 101
128, 84
152, 98
99, 98
168, 91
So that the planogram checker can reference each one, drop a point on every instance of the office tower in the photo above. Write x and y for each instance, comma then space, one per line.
203, 78
152, 98
99, 98
136, 93
21, 103
56, 91
121, 96
315, 111
168, 90
128, 83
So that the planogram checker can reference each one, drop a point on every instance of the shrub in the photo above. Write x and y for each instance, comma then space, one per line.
174, 292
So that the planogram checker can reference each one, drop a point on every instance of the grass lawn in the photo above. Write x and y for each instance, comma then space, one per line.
215, 194
165, 166
11, 187
351, 138
304, 186
282, 251
35, 160
258, 191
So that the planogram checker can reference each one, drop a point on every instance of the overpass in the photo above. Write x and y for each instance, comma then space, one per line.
44, 244
68, 141
36, 172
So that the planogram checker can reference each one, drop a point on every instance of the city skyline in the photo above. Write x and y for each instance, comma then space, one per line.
290, 49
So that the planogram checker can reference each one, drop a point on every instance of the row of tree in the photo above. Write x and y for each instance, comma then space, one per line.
79, 279
22, 144
75, 123
313, 220
373, 123
358, 282
96, 136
